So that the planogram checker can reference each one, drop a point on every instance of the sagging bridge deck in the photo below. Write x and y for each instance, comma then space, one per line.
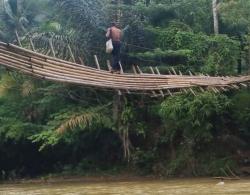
54, 69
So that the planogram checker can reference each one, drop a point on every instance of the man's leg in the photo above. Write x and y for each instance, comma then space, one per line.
116, 56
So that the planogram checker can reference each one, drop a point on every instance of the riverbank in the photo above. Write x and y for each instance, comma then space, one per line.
50, 179
83, 178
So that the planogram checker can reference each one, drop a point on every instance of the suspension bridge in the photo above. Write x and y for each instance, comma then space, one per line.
155, 84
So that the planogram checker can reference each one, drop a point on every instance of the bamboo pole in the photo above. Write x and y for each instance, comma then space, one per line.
109, 65
121, 69
152, 71
134, 69
244, 85
81, 60
18, 38
158, 72
169, 92
71, 53
175, 81
60, 66
48, 52
40, 54
139, 70
97, 62
53, 72
235, 86
74, 64
16, 58
60, 69
192, 91
173, 70
52, 48
32, 44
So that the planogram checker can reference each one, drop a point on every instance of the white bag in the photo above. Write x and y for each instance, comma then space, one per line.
109, 46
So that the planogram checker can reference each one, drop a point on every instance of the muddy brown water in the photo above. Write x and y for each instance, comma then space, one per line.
168, 187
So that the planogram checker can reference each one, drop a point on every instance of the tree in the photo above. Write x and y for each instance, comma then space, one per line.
19, 17
235, 15
215, 16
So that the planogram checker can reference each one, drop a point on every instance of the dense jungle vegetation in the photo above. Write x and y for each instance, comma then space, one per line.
56, 128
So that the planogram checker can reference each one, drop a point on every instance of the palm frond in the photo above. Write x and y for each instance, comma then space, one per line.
84, 13
83, 121
27, 88
8, 9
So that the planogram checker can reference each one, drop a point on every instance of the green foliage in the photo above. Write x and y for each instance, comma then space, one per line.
235, 14
130, 121
193, 116
241, 106
87, 18
143, 161
190, 123
181, 162
47, 127
218, 166
158, 54
16, 130
45, 139
209, 54
74, 120
89, 14
196, 13
21, 16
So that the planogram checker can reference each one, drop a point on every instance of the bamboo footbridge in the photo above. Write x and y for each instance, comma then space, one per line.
155, 84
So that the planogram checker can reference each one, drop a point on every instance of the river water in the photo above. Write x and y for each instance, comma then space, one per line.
168, 187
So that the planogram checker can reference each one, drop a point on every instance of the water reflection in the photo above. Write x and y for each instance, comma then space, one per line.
169, 187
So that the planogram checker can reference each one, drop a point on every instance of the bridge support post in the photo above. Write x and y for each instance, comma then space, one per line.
97, 62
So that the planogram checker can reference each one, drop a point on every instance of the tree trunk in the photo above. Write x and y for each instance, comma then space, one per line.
116, 107
122, 129
248, 64
215, 16
126, 143
247, 54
